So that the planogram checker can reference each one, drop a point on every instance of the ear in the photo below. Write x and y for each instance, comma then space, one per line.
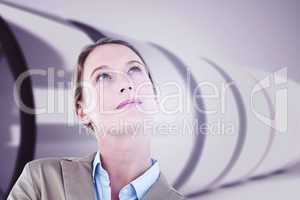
80, 111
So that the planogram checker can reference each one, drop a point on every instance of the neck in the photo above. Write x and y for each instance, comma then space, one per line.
124, 158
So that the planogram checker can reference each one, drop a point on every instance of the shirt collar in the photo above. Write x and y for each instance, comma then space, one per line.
96, 162
141, 184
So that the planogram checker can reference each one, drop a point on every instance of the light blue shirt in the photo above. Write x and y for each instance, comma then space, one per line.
135, 190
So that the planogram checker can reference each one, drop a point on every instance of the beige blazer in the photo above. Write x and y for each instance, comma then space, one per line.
71, 178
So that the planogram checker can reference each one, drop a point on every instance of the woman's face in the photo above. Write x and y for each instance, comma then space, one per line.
117, 91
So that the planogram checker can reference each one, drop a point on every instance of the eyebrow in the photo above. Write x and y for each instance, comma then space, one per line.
134, 61
106, 66
98, 68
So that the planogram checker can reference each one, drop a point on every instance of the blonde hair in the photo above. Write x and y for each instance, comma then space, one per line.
77, 79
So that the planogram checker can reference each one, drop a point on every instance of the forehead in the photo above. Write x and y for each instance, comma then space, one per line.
113, 55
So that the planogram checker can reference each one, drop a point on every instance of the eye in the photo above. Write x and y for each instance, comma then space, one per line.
134, 69
103, 76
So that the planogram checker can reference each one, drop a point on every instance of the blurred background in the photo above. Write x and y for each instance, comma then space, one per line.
237, 60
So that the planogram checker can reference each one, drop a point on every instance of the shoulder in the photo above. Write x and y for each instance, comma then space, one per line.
46, 176
176, 194
44, 162
55, 163
48, 162
161, 189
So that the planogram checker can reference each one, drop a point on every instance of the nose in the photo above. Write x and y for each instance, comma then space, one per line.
126, 83
122, 90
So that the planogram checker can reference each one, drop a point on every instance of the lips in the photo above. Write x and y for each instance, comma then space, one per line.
128, 101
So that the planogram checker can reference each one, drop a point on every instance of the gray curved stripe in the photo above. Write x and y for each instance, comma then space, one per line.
197, 150
1, 194
235, 184
36, 12
91, 32
242, 132
271, 139
17, 64
263, 157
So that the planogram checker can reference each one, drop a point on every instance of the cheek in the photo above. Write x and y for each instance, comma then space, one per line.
145, 93
144, 87
105, 99
104, 106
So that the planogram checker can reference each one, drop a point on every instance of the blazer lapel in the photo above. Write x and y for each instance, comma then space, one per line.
160, 190
78, 183
77, 176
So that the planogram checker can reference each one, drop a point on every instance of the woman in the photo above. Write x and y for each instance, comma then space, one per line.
114, 97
